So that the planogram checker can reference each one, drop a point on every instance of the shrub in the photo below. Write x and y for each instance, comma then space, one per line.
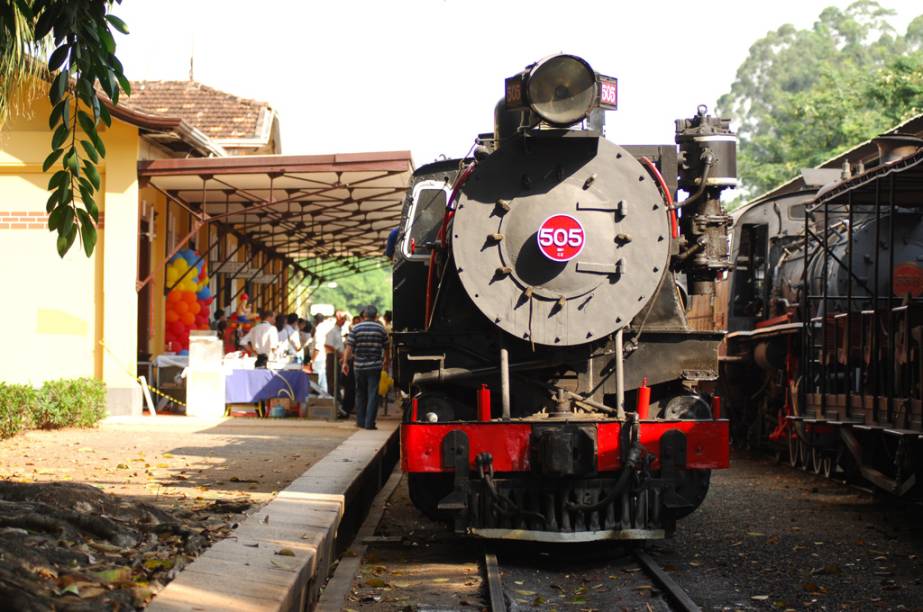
70, 401
16, 405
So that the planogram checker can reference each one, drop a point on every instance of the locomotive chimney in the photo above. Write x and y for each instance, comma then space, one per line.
892, 147
506, 122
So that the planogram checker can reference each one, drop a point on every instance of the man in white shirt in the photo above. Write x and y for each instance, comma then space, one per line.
263, 339
289, 337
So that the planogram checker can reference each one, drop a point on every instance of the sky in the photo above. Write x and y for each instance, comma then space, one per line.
349, 76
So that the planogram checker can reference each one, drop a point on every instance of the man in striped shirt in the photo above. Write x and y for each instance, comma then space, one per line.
367, 345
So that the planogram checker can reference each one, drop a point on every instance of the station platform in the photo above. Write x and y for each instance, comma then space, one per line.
280, 555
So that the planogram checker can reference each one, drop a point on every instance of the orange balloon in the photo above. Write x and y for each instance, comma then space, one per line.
171, 316
189, 297
181, 308
174, 296
188, 318
195, 307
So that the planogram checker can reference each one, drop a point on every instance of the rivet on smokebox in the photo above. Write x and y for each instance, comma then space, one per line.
528, 292
589, 181
502, 204
561, 301
504, 270
497, 237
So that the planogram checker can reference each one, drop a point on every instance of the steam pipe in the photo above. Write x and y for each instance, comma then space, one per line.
455, 374
709, 162
505, 382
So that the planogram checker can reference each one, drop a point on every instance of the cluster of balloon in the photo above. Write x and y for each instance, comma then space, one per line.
188, 301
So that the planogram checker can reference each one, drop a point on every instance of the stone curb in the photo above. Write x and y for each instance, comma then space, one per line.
311, 521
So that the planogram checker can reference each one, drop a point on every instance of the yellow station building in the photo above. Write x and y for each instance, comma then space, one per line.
100, 316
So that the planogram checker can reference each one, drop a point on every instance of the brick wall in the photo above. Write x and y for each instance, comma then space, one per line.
24, 220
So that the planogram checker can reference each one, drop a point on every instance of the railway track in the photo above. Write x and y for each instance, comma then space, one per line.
500, 600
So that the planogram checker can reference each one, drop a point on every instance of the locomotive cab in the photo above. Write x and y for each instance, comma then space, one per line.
556, 389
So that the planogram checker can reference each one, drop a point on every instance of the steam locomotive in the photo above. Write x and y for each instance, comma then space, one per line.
556, 390
824, 357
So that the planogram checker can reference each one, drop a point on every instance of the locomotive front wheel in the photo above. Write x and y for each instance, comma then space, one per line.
427, 490
828, 466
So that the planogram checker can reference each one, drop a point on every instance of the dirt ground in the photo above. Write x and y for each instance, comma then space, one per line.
768, 537
175, 461
102, 519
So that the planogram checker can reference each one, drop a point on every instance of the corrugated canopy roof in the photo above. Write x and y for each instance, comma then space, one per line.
336, 208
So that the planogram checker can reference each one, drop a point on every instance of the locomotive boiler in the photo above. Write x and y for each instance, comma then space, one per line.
556, 391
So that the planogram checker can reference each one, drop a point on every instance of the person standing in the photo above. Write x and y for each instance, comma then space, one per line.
289, 337
263, 339
333, 346
367, 345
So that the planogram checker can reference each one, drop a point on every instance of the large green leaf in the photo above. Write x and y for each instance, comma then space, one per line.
89, 170
90, 150
51, 159
58, 56
66, 241
98, 143
55, 218
86, 122
57, 179
60, 135
88, 234
117, 23
61, 110
59, 86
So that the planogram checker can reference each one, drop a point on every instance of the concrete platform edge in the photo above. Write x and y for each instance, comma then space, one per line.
311, 522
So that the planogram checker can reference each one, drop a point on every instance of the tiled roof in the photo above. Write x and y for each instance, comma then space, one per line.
221, 116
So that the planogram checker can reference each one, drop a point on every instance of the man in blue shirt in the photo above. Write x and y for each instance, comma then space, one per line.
367, 346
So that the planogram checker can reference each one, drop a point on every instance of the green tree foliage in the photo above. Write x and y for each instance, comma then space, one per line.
803, 96
354, 292
82, 63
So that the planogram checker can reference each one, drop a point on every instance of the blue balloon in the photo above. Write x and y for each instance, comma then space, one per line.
204, 293
183, 352
189, 255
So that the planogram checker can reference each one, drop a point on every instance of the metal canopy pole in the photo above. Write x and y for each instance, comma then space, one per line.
255, 274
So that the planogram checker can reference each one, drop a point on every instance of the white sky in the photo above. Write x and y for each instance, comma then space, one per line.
424, 75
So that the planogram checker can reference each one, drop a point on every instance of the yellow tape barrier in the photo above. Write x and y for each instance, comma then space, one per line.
139, 379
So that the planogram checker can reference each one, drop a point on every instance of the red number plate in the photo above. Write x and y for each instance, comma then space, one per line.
608, 93
561, 238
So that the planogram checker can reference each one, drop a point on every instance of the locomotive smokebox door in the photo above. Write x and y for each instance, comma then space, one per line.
560, 238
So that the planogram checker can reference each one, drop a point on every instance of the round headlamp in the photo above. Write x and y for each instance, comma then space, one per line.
561, 89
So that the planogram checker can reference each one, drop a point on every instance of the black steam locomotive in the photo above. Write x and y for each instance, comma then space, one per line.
825, 312
540, 331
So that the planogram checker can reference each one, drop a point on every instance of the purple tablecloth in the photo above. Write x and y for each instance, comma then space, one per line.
247, 386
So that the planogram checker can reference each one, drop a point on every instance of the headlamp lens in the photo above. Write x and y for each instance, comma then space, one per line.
561, 89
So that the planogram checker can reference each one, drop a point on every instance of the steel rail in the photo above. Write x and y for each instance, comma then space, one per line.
497, 602
673, 591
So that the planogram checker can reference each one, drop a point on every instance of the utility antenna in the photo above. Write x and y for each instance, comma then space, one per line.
192, 59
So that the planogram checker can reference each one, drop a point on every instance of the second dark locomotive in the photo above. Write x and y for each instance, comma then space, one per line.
825, 313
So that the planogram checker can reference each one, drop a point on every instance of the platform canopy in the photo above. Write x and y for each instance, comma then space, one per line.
337, 209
